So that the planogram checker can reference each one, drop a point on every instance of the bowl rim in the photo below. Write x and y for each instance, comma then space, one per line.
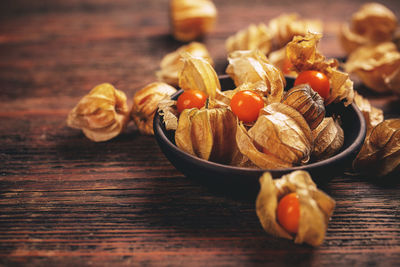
158, 131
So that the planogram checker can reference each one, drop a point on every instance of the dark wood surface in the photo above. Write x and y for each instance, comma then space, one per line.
65, 200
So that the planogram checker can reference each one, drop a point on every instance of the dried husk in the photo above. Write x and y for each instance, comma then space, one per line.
373, 23
192, 19
198, 74
328, 138
373, 116
208, 134
286, 26
380, 153
250, 150
172, 63
102, 114
167, 109
309, 103
281, 133
316, 207
279, 59
303, 54
253, 67
254, 37
378, 66
350, 40
145, 103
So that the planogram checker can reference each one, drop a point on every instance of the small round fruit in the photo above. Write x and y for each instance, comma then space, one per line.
246, 105
288, 212
317, 80
191, 99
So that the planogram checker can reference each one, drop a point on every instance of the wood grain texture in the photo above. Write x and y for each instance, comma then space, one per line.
66, 201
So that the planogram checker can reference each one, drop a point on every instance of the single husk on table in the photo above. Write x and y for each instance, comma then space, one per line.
380, 153
372, 24
377, 65
192, 19
102, 114
316, 207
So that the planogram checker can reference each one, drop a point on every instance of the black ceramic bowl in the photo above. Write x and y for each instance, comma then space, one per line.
236, 179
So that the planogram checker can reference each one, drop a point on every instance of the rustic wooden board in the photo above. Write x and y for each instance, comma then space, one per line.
65, 200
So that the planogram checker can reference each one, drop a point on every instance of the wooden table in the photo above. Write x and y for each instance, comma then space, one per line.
65, 200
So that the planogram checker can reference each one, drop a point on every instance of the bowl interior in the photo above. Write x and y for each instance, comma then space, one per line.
224, 176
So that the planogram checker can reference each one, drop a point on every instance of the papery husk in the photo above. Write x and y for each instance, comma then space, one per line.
316, 207
328, 138
198, 74
102, 114
208, 134
253, 67
191, 19
254, 37
282, 132
303, 54
249, 149
378, 66
145, 103
309, 103
286, 26
373, 116
171, 64
380, 153
373, 23
275, 35
278, 58
350, 40
167, 109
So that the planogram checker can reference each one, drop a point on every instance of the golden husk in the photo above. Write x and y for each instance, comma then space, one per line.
380, 153
275, 35
279, 138
172, 63
316, 207
254, 37
328, 138
373, 116
102, 114
373, 23
309, 103
253, 67
279, 59
303, 54
378, 66
286, 26
208, 134
145, 103
198, 74
167, 109
192, 19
